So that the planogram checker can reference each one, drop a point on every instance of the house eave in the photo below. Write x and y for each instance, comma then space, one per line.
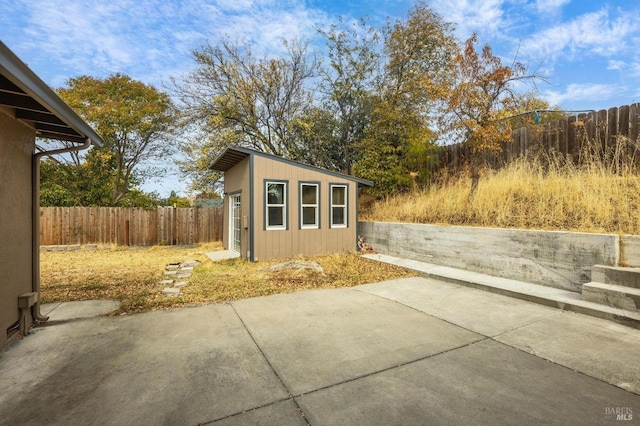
234, 154
35, 102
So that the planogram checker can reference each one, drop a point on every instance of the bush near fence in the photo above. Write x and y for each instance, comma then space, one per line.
605, 134
129, 226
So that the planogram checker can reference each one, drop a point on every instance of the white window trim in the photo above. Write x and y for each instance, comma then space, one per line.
283, 206
345, 206
316, 205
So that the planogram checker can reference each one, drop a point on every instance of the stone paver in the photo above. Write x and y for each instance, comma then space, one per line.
180, 271
171, 291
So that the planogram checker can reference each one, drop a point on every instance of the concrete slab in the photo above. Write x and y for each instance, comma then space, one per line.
284, 413
479, 311
484, 383
595, 347
339, 356
322, 337
217, 256
547, 296
187, 366
64, 311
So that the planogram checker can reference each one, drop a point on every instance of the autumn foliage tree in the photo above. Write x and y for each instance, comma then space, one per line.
136, 123
379, 105
481, 97
401, 139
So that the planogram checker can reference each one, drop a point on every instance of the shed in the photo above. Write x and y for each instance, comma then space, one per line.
29, 109
278, 208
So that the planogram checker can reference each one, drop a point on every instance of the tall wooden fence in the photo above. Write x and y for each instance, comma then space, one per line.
604, 133
129, 226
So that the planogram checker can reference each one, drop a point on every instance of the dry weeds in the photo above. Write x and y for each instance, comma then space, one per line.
132, 276
526, 194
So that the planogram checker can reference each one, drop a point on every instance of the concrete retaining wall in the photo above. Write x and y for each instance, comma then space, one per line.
630, 251
552, 258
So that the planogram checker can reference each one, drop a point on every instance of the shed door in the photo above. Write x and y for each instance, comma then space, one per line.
234, 223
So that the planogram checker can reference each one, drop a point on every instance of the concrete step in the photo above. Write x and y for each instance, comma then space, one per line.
612, 295
618, 275
548, 296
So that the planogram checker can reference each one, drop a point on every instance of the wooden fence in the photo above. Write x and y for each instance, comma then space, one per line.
129, 226
604, 133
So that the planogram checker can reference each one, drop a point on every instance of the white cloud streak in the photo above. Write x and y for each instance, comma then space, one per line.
550, 6
152, 39
579, 93
592, 33
481, 16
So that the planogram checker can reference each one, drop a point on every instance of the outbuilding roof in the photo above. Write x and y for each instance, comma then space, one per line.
234, 154
36, 104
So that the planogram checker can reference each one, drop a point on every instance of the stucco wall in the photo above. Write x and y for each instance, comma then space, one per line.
16, 148
556, 259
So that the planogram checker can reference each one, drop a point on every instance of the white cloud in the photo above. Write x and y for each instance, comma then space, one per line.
591, 33
550, 6
589, 94
151, 39
481, 16
616, 65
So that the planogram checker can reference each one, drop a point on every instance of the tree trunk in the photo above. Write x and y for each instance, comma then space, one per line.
476, 164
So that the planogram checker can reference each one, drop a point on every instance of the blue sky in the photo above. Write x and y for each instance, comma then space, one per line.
586, 49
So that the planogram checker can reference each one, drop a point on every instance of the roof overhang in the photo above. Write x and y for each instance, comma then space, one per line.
34, 103
229, 158
234, 154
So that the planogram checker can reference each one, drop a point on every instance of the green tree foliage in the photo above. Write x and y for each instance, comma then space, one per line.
400, 143
198, 154
136, 123
353, 62
78, 182
316, 132
175, 200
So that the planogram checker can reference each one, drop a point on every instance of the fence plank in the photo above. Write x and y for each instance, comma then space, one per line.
634, 123
108, 225
568, 136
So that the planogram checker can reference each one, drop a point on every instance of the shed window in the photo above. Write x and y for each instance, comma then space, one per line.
338, 206
276, 205
309, 199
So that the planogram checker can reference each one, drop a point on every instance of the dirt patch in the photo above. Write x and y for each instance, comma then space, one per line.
133, 276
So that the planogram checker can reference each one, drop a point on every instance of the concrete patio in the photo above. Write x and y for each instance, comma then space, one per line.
409, 351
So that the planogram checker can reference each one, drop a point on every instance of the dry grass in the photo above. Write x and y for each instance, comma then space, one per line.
132, 275
526, 194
